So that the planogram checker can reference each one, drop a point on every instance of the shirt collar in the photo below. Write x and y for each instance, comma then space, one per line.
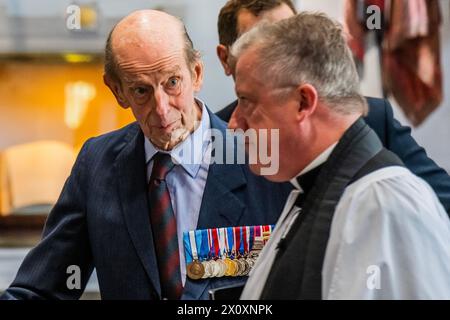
319, 160
189, 153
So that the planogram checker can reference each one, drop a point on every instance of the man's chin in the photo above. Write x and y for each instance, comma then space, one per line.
171, 140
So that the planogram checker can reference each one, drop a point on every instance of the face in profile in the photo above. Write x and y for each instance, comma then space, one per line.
264, 107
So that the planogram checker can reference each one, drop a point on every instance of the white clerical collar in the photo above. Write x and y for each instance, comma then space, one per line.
320, 159
189, 153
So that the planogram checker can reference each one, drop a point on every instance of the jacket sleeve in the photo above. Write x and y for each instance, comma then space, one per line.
415, 158
49, 270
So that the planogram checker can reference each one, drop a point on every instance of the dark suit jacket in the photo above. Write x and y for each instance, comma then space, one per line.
397, 139
101, 220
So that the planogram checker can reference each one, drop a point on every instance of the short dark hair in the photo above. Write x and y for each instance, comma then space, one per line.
228, 16
110, 66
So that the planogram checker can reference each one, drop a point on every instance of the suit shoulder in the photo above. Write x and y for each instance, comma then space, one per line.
380, 117
115, 136
107, 146
377, 110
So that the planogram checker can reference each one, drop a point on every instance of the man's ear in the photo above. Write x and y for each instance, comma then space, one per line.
223, 54
116, 89
197, 73
308, 99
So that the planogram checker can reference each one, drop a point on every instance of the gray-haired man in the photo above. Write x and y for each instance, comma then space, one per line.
359, 224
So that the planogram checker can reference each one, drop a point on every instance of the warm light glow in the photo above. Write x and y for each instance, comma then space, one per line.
78, 95
77, 58
88, 17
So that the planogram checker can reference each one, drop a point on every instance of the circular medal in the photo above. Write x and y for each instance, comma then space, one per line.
195, 270
223, 267
246, 267
208, 269
230, 267
240, 267
215, 268
235, 268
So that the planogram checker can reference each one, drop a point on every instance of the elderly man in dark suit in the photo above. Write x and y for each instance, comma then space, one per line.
109, 216
238, 16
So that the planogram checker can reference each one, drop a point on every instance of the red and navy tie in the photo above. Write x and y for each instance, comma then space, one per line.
164, 228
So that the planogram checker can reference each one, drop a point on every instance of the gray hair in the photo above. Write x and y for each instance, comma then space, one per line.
307, 48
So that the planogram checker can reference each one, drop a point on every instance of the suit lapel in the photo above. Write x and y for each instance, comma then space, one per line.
132, 183
220, 206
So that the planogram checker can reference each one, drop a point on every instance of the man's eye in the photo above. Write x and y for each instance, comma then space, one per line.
140, 91
242, 100
173, 82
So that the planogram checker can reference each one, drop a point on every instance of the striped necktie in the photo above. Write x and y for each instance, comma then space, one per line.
164, 228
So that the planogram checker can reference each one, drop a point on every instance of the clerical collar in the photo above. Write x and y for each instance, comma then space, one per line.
307, 178
188, 153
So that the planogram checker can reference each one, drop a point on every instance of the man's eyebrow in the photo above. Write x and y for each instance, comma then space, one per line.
134, 81
172, 70
138, 79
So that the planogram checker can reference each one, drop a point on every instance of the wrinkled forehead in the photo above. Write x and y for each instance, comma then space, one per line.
154, 44
140, 54
144, 67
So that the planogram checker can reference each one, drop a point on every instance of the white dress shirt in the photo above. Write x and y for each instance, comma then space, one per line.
186, 181
389, 239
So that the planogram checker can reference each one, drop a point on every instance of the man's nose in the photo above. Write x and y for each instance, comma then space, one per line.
237, 121
161, 103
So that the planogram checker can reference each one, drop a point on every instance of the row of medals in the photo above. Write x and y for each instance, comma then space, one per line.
240, 266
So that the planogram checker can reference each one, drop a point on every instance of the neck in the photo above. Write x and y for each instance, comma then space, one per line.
324, 134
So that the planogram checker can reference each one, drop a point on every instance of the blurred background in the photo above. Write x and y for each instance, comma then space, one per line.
52, 97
